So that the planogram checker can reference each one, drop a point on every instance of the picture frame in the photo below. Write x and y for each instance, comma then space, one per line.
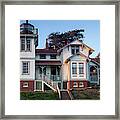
2, 56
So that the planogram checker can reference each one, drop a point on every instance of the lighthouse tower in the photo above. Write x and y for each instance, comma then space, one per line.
28, 43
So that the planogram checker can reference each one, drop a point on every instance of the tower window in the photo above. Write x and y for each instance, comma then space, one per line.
22, 44
25, 67
27, 44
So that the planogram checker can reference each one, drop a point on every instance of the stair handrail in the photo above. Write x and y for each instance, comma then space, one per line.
58, 92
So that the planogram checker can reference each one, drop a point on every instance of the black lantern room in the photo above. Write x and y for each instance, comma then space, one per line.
29, 31
26, 28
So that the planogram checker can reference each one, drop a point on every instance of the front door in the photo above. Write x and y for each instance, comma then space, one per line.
53, 73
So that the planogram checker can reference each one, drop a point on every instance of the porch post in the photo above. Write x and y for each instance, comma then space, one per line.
42, 71
98, 76
42, 86
34, 85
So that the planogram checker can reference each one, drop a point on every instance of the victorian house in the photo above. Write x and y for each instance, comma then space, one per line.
66, 68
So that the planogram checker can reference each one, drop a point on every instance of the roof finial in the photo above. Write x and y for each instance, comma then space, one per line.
27, 21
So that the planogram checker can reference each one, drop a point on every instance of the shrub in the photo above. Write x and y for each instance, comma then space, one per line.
39, 96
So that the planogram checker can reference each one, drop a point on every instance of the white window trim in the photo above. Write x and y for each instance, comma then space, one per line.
21, 44
25, 84
28, 67
75, 48
81, 84
26, 45
78, 75
75, 84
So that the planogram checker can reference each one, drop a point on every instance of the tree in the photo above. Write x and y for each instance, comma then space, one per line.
57, 40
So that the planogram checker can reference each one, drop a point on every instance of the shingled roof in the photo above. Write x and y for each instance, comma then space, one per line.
46, 51
48, 63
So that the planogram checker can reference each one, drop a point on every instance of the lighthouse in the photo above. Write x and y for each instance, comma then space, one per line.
28, 43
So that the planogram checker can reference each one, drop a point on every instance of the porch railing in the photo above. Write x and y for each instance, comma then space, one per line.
48, 77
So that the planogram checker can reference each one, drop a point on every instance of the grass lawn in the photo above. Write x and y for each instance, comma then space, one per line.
92, 94
49, 95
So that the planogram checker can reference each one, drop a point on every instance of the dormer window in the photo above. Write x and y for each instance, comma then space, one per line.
52, 56
42, 56
74, 49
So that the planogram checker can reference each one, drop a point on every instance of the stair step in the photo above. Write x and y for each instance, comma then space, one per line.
65, 95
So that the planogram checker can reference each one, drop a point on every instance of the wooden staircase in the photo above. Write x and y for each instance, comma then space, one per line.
49, 83
65, 95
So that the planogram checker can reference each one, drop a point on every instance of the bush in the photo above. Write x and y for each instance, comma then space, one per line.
86, 94
39, 96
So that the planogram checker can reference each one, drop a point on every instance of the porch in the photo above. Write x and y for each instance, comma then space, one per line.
48, 70
94, 74
47, 74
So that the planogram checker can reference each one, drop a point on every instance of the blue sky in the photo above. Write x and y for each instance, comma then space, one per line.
91, 27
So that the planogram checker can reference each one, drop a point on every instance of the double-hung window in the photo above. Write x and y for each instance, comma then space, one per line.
25, 44
52, 56
42, 56
81, 69
28, 45
74, 69
25, 67
74, 49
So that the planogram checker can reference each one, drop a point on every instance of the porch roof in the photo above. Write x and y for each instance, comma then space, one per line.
48, 63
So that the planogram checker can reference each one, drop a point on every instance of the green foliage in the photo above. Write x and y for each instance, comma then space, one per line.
57, 40
86, 94
39, 95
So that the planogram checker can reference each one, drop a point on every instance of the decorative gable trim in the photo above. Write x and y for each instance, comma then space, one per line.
75, 44
81, 54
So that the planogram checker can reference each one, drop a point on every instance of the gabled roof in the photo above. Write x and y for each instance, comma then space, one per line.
81, 54
96, 59
74, 41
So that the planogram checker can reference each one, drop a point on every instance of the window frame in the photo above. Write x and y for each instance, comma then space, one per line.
28, 68
22, 39
74, 69
75, 48
81, 74
41, 55
25, 45
53, 56
25, 86
77, 75
28, 50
